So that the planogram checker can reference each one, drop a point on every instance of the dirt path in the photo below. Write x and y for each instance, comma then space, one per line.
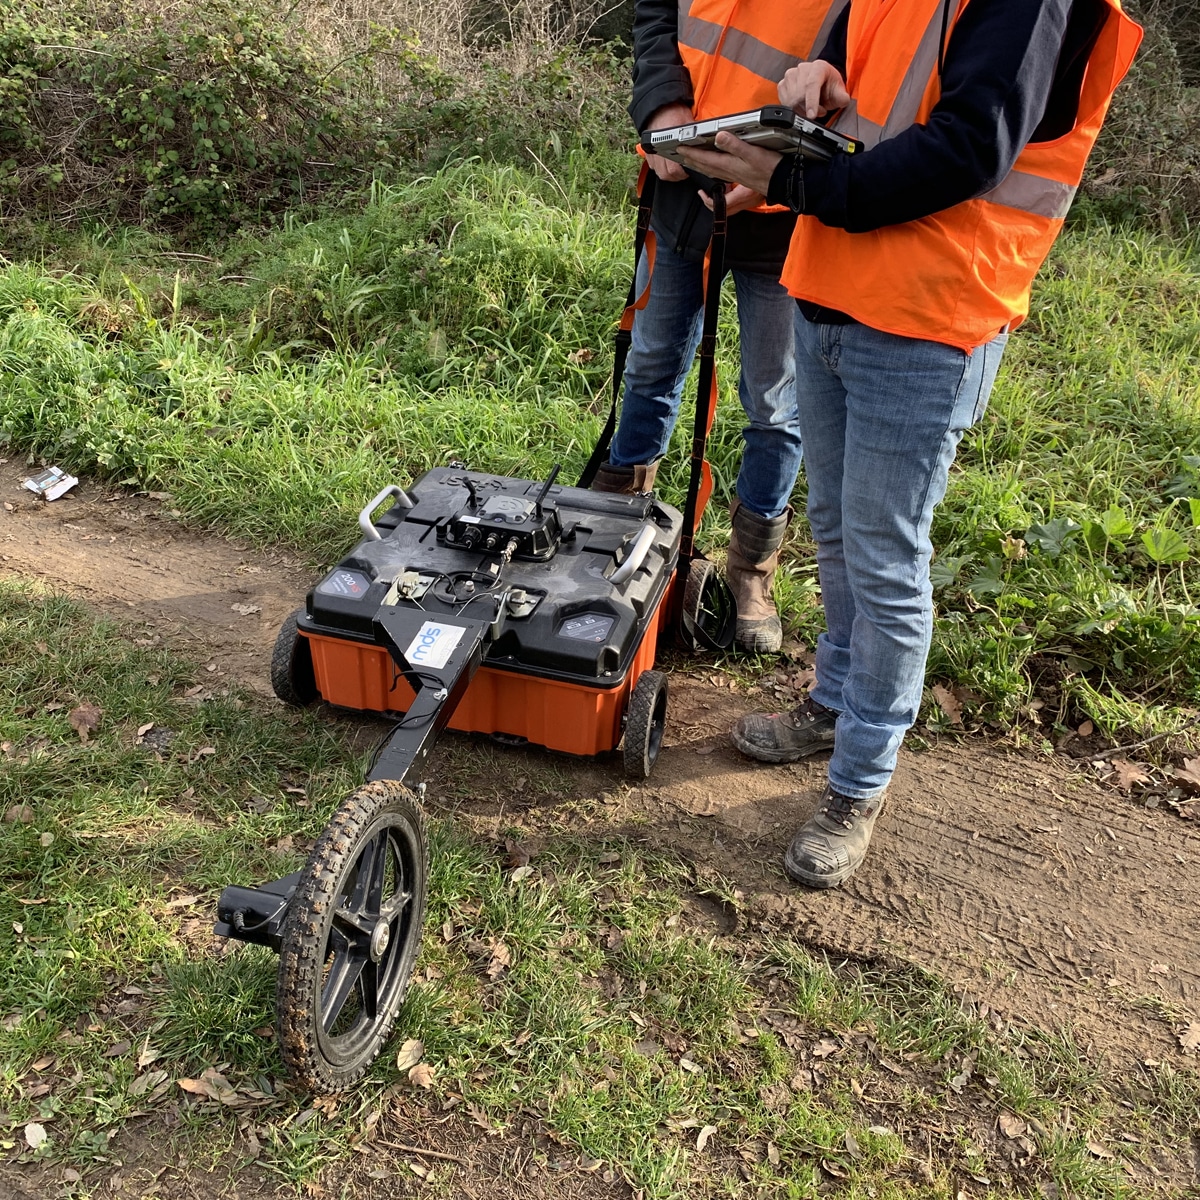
1050, 898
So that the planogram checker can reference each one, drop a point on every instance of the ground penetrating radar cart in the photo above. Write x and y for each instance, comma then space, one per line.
521, 609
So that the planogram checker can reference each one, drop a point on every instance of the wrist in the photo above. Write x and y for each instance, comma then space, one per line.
787, 183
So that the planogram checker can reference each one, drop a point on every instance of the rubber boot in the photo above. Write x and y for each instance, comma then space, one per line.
753, 558
625, 481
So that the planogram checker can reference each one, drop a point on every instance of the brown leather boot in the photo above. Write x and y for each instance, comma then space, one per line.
753, 558
625, 481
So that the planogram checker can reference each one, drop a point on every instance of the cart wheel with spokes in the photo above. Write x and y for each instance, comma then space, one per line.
645, 719
708, 614
351, 937
292, 677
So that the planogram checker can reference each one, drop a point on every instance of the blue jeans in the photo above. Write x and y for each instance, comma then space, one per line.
666, 334
882, 417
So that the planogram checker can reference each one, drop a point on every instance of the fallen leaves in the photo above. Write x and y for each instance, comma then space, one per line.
1189, 1039
35, 1135
704, 1136
153, 1085
949, 703
212, 1085
1126, 774
1011, 1126
246, 610
1189, 773
85, 720
421, 1075
500, 960
410, 1054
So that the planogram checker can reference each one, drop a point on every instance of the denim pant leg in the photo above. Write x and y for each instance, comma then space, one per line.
767, 389
665, 336
882, 417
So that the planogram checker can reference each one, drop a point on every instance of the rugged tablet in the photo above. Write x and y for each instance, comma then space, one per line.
774, 127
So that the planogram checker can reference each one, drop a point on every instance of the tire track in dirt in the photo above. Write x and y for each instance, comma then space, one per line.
1015, 876
1053, 899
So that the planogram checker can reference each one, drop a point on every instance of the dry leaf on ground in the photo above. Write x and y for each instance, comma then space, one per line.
1126, 774
421, 1075
703, 1136
410, 1054
948, 702
85, 720
35, 1135
246, 610
1189, 1039
1011, 1126
1189, 773
500, 960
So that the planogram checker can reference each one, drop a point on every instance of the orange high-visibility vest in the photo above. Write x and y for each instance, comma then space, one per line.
964, 274
737, 51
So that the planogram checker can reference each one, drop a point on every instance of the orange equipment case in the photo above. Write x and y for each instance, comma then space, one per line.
579, 604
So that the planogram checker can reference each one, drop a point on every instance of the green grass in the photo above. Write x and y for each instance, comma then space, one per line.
624, 1021
278, 380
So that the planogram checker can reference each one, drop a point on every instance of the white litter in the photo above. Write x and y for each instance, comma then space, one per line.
51, 483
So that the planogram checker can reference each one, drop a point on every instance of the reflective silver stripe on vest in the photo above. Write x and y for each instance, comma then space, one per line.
835, 10
757, 57
907, 103
1033, 194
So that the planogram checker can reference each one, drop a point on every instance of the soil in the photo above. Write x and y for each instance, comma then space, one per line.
1047, 897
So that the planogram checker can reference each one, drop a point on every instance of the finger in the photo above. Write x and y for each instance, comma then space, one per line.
812, 97
836, 95
705, 199
730, 143
664, 168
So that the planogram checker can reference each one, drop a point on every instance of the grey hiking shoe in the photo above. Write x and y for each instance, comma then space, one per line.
831, 846
785, 737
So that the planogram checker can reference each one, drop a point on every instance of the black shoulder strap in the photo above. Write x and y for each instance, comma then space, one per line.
700, 484
624, 336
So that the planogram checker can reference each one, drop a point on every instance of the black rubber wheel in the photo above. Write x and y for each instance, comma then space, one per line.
351, 937
708, 614
292, 676
645, 719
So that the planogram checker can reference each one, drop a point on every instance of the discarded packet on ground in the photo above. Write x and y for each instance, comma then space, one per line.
51, 483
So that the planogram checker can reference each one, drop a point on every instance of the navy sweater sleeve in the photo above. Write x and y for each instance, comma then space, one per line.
659, 76
999, 69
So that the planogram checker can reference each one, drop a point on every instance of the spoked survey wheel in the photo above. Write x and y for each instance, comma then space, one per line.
351, 937
708, 615
292, 676
645, 720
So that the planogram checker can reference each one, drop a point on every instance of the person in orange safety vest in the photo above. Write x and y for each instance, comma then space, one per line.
910, 265
702, 59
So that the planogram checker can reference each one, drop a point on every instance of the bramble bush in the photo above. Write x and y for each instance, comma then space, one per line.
215, 115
